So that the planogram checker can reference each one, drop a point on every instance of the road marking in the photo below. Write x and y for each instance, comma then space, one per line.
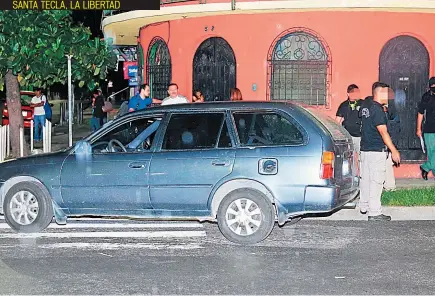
117, 225
130, 234
117, 246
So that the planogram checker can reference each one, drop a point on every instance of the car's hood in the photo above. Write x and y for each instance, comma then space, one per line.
36, 159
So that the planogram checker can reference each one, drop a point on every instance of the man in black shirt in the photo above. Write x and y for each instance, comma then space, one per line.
375, 146
348, 115
426, 111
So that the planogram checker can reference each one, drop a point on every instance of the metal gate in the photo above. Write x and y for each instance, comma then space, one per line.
404, 65
214, 69
159, 68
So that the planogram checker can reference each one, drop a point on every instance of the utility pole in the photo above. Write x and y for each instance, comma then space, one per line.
70, 105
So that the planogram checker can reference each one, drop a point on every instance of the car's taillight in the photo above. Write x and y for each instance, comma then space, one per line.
327, 171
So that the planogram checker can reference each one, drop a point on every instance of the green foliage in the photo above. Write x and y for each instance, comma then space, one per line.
410, 197
33, 44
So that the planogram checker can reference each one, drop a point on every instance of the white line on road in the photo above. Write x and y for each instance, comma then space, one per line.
117, 225
132, 234
116, 246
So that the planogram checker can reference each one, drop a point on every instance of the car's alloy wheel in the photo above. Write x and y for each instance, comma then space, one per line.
243, 216
24, 207
28, 207
246, 216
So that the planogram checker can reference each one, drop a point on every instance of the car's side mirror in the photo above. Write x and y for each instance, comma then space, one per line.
83, 150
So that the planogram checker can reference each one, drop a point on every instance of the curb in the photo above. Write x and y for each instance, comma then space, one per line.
396, 213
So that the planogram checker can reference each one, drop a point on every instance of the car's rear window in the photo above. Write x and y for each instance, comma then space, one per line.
337, 131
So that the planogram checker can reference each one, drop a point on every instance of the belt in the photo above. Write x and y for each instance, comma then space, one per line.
380, 150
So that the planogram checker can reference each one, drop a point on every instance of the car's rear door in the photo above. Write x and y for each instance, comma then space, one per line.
196, 153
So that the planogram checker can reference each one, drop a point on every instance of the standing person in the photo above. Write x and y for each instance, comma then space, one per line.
198, 97
97, 111
426, 117
38, 102
142, 100
236, 95
348, 115
174, 97
376, 144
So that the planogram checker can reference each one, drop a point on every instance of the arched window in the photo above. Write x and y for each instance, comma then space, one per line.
298, 69
159, 69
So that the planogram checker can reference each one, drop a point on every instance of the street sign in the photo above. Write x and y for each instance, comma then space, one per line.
133, 81
132, 70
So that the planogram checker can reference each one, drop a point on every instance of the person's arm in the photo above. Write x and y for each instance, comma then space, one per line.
380, 120
395, 155
421, 109
33, 104
157, 101
339, 117
419, 123
132, 105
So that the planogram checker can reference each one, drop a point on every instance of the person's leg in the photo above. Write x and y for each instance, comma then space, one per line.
36, 122
377, 171
364, 182
429, 140
94, 123
357, 145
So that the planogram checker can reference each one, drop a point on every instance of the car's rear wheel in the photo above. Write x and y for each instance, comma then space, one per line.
246, 216
27, 207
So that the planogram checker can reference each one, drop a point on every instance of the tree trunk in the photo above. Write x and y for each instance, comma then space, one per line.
13, 100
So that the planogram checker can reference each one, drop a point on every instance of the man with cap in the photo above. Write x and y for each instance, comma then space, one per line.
426, 117
376, 145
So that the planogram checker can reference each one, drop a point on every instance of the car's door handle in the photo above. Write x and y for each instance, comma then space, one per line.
136, 165
220, 163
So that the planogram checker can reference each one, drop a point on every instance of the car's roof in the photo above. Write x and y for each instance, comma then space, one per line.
227, 105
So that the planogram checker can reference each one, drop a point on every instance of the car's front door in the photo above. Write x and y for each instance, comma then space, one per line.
196, 153
114, 181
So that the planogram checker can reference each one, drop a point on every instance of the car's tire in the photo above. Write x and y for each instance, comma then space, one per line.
260, 223
36, 211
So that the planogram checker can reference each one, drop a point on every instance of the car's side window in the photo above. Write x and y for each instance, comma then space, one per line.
133, 136
266, 129
195, 131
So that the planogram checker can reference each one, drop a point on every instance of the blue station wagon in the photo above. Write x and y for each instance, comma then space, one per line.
245, 165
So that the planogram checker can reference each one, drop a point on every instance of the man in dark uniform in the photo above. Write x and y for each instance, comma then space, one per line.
348, 115
426, 111
376, 144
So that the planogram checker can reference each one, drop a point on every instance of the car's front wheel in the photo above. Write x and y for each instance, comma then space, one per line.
246, 216
27, 207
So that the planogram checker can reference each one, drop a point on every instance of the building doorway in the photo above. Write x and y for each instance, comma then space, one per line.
159, 68
214, 69
404, 65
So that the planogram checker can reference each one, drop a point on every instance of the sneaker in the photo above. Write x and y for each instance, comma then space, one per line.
381, 217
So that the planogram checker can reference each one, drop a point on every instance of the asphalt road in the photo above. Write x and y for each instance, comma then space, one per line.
312, 257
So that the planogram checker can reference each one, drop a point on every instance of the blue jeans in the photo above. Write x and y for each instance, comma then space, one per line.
95, 124
38, 120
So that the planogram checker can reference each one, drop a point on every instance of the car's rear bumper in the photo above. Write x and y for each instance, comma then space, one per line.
327, 198
27, 124
321, 200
